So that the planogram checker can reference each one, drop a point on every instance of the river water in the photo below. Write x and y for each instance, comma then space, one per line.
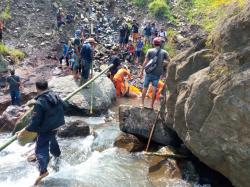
85, 162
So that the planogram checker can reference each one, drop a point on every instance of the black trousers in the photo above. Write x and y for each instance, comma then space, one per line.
1, 35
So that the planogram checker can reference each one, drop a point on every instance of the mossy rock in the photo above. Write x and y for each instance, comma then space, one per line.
3, 64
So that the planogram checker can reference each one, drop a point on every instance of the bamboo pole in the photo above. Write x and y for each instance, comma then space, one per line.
21, 123
91, 91
152, 131
168, 155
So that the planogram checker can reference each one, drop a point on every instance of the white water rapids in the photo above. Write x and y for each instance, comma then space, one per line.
86, 162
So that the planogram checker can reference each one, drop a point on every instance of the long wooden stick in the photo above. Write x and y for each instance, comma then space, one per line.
91, 91
23, 121
152, 130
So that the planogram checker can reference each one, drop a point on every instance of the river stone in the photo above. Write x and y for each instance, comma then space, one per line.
103, 94
9, 118
129, 142
139, 122
162, 169
73, 129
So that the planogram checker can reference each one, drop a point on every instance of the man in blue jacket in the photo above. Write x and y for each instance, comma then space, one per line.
87, 55
48, 115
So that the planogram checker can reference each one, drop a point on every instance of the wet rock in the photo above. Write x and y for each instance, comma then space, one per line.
73, 129
139, 122
161, 170
9, 118
103, 94
129, 142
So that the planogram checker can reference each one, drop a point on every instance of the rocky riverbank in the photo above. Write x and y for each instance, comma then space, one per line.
208, 103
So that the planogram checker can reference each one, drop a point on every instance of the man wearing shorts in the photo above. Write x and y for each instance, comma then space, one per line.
122, 36
138, 50
154, 76
135, 31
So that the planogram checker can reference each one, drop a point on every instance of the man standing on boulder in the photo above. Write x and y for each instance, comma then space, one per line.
14, 88
48, 115
87, 55
155, 74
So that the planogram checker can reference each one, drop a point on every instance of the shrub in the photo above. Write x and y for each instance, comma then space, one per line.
140, 2
15, 54
5, 15
159, 8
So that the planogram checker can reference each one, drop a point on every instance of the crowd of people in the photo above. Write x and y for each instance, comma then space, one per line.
78, 56
132, 38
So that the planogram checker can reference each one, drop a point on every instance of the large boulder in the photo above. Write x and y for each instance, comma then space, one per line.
209, 106
233, 33
79, 104
218, 135
139, 122
195, 62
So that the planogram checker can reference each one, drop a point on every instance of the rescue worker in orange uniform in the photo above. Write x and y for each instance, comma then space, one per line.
159, 89
121, 84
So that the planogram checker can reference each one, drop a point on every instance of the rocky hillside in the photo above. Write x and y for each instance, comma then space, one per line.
209, 101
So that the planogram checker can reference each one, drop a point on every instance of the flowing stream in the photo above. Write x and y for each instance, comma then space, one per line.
90, 162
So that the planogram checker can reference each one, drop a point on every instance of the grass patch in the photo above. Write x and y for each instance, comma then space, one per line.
208, 13
170, 49
5, 14
15, 54
140, 3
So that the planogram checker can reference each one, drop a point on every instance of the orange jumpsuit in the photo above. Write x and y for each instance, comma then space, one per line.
121, 85
159, 89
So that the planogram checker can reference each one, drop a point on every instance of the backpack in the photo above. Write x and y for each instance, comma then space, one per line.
152, 64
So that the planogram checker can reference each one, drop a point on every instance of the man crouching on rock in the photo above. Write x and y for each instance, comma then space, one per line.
48, 115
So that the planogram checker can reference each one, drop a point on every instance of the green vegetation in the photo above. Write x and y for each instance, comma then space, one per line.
140, 3
5, 14
208, 13
15, 54
159, 8
170, 48
146, 47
